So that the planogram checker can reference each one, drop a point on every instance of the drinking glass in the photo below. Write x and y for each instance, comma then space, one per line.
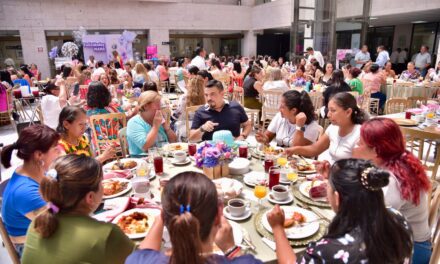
292, 176
274, 176
192, 149
141, 187
260, 191
243, 151
268, 162
282, 161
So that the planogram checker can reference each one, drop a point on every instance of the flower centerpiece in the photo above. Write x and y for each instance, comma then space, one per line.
214, 159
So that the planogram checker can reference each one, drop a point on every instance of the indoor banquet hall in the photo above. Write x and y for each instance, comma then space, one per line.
227, 131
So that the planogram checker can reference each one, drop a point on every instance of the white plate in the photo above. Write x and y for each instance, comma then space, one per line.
239, 166
304, 188
246, 215
171, 147
260, 153
272, 199
119, 193
180, 163
253, 177
310, 161
296, 232
108, 166
150, 212
231, 188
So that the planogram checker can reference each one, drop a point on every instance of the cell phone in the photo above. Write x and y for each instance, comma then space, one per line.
76, 89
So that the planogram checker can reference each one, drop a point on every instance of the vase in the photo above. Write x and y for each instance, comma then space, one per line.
219, 171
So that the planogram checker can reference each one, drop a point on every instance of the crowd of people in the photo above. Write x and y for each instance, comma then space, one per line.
49, 199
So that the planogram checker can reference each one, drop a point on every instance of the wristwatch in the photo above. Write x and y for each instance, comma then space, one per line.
202, 129
303, 129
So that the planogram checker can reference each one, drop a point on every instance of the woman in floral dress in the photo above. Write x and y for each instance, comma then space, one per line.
72, 126
363, 230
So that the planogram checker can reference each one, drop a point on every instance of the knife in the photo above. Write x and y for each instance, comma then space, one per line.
248, 240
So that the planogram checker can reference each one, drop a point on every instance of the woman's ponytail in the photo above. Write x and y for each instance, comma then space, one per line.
46, 223
7, 154
185, 227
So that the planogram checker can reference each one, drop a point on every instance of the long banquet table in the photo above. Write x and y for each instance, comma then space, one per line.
263, 252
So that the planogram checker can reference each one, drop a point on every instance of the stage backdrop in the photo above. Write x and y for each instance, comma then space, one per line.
102, 46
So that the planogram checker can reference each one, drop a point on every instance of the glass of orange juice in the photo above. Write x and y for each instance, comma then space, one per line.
292, 176
282, 161
260, 191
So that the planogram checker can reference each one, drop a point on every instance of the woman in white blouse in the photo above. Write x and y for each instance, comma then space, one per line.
53, 102
295, 124
275, 81
341, 136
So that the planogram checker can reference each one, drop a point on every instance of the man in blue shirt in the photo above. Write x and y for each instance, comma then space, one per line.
219, 115
382, 56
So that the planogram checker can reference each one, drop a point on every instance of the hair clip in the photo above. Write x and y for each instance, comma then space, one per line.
182, 209
52, 173
55, 209
364, 179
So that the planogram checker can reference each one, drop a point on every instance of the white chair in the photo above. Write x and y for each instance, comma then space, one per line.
271, 102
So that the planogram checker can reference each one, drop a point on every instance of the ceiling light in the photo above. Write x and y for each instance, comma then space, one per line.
278, 33
419, 21
373, 18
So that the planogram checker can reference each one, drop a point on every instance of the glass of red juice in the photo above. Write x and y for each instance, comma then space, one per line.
268, 162
243, 152
192, 149
274, 176
158, 165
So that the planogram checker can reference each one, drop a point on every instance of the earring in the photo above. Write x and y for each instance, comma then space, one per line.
41, 163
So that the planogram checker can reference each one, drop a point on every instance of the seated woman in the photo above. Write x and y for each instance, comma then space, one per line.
99, 100
148, 128
382, 142
337, 85
52, 103
388, 71
341, 136
191, 210
354, 82
363, 228
411, 73
37, 146
195, 96
372, 82
275, 81
72, 126
295, 124
299, 79
325, 77
252, 87
74, 190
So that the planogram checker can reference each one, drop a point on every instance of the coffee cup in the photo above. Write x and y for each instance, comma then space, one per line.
237, 207
280, 192
179, 156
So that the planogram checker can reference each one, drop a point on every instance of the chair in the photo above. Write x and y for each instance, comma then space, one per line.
435, 257
414, 99
238, 95
122, 134
225, 79
105, 130
271, 101
6, 116
434, 204
396, 105
188, 111
415, 141
8, 243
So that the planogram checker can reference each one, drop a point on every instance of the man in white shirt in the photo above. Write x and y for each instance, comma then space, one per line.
422, 60
362, 57
394, 56
199, 59
99, 68
315, 54
383, 57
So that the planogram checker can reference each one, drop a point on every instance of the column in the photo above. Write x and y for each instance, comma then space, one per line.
249, 44
161, 38
33, 42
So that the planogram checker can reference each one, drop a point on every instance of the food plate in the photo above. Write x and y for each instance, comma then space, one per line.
175, 147
115, 187
228, 188
268, 150
254, 177
405, 122
304, 188
143, 227
296, 231
181, 163
303, 166
129, 164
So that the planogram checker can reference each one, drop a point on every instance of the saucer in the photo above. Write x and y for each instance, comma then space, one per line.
180, 163
272, 199
246, 214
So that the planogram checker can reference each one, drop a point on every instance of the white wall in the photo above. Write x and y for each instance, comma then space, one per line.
272, 15
389, 7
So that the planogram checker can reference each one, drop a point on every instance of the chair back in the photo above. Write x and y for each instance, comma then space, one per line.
122, 134
105, 130
8, 243
396, 105
225, 79
317, 100
434, 204
188, 112
415, 140
238, 95
412, 101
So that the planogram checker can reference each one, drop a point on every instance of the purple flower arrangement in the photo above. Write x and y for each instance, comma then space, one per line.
210, 154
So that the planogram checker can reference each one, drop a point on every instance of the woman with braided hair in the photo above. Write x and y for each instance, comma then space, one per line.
382, 142
363, 230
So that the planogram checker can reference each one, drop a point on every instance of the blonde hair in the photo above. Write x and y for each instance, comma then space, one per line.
195, 94
147, 98
140, 69
275, 74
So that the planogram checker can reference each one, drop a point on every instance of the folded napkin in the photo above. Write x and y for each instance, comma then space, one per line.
126, 174
113, 207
